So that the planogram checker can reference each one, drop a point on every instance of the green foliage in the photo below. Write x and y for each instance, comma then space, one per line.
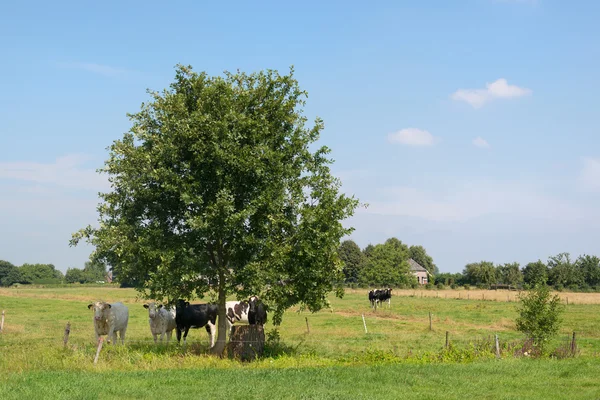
9, 274
215, 187
40, 273
589, 269
387, 265
510, 274
354, 260
562, 271
539, 315
535, 273
482, 273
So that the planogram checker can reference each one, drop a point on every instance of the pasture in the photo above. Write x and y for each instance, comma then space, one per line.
399, 354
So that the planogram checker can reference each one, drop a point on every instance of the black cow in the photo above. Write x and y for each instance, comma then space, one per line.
195, 316
257, 314
380, 295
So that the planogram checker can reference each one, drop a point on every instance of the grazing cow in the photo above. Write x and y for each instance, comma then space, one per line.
110, 319
161, 319
380, 295
195, 316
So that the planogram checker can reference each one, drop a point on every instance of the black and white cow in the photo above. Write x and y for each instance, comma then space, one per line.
251, 312
379, 296
257, 314
195, 316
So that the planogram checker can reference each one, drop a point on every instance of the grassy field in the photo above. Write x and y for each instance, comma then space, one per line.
399, 354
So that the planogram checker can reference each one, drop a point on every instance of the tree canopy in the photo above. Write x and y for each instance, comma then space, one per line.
215, 186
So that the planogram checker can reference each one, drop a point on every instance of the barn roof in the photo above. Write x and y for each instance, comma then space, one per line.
415, 266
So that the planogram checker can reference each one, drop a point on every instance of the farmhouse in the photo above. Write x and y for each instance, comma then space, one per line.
420, 272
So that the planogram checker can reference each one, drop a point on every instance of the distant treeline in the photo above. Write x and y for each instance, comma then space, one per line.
47, 274
560, 272
387, 265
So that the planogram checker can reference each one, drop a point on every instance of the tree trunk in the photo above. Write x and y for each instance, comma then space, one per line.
247, 342
219, 346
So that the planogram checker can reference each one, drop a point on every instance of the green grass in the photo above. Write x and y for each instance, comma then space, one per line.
510, 379
399, 355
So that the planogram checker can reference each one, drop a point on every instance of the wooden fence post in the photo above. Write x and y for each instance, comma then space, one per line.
497, 347
567, 301
2, 323
468, 296
364, 323
447, 342
66, 337
573, 344
307, 327
430, 326
100, 341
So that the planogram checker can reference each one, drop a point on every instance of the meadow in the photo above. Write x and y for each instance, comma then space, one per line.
334, 359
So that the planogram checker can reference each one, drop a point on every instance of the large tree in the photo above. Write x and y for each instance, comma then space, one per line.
354, 260
218, 185
387, 265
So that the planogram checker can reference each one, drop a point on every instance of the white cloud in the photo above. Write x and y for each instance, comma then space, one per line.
472, 200
589, 178
99, 69
65, 172
413, 137
500, 89
481, 142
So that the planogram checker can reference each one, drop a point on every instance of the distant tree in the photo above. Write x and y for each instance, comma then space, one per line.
510, 274
353, 259
419, 254
535, 272
539, 315
589, 268
449, 279
75, 275
562, 271
5, 269
387, 265
32, 273
94, 271
480, 273
9, 274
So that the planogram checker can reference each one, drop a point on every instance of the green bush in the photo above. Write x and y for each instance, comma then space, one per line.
440, 286
539, 315
467, 287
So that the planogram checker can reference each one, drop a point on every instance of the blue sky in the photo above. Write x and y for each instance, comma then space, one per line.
470, 127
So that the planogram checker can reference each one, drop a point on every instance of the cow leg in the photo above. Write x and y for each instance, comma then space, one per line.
169, 333
187, 329
154, 335
111, 335
162, 336
178, 334
122, 334
211, 328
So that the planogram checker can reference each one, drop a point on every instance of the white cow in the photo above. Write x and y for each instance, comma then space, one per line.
110, 319
162, 320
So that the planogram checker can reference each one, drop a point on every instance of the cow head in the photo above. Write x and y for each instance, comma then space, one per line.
253, 302
100, 310
152, 309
